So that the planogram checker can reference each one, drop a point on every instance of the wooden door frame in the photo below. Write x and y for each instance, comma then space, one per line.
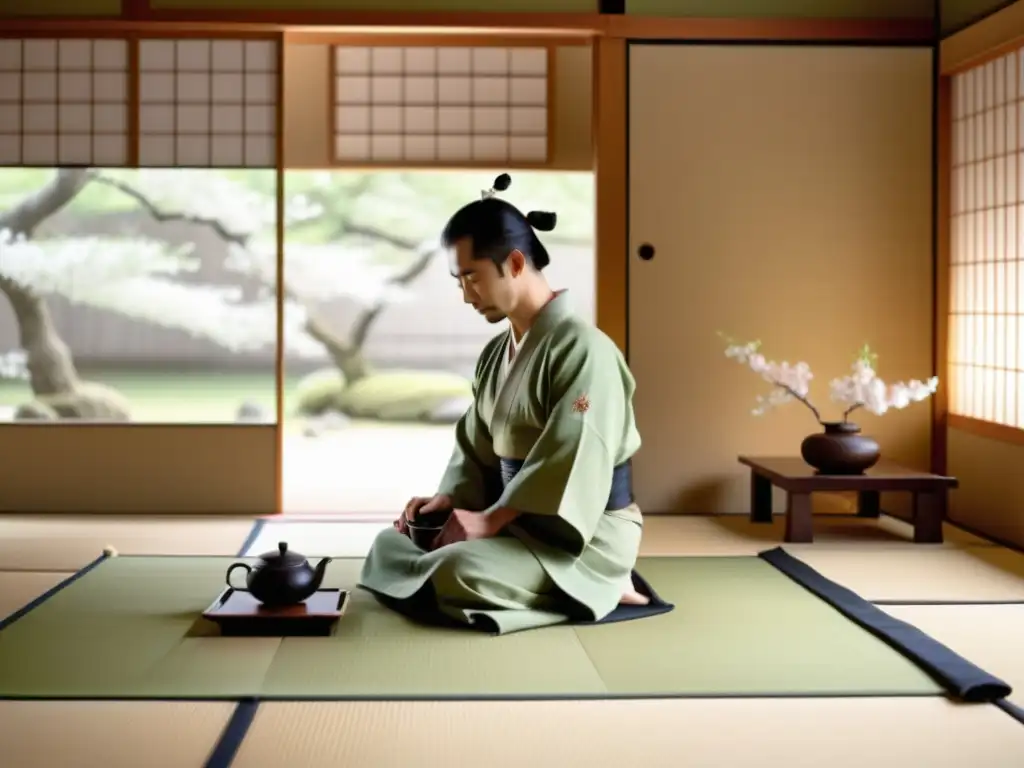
611, 132
610, 36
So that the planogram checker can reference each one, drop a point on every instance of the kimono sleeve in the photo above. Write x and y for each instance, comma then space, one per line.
473, 475
562, 489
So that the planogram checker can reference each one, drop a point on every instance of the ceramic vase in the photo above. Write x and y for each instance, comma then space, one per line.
840, 450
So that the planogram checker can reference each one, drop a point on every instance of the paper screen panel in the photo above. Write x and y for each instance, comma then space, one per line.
63, 102
987, 248
441, 105
208, 103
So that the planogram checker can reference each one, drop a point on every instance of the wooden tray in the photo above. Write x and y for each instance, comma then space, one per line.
238, 614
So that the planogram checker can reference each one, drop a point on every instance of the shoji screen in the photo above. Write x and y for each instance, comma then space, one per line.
208, 103
63, 102
441, 105
987, 301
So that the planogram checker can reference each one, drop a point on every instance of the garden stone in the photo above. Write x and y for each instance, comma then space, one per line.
252, 413
35, 411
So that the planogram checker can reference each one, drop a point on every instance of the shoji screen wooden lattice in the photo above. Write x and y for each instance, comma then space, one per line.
64, 102
208, 103
441, 105
986, 350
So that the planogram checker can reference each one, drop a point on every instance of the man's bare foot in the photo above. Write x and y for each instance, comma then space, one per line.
632, 597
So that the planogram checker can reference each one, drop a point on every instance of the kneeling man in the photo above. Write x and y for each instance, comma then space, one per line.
543, 528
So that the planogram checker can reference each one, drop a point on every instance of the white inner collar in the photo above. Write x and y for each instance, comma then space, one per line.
513, 345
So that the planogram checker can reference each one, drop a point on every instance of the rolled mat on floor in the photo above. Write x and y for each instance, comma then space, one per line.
955, 673
742, 627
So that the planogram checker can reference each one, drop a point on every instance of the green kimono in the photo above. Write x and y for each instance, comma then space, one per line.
564, 410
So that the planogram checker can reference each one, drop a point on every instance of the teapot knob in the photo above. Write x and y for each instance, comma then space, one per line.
282, 547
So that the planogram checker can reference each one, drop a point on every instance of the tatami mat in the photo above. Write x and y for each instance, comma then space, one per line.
664, 535
875, 558
708, 733
316, 538
63, 543
18, 589
111, 734
992, 636
921, 573
736, 535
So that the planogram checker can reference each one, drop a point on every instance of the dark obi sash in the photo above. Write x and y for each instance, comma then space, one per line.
620, 496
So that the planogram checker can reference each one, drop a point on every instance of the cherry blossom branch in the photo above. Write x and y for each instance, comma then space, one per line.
314, 326
351, 228
361, 329
159, 214
851, 409
799, 398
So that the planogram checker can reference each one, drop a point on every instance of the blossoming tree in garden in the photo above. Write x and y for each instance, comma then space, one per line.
143, 278
359, 237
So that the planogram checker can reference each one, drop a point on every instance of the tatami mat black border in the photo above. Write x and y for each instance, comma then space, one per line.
254, 534
231, 738
960, 677
1013, 710
245, 703
244, 713
947, 602
35, 603
230, 741
508, 697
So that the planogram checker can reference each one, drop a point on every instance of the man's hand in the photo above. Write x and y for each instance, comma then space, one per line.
464, 525
423, 504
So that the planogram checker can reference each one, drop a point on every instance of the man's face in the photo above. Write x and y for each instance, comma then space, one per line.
489, 291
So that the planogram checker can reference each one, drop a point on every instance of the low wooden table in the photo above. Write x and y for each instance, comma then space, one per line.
799, 481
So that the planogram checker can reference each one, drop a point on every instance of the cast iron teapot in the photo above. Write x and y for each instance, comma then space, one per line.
281, 578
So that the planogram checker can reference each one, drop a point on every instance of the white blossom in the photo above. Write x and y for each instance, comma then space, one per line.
70, 266
788, 381
139, 277
202, 194
862, 388
322, 272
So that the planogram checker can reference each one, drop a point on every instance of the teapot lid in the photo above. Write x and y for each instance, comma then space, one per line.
283, 557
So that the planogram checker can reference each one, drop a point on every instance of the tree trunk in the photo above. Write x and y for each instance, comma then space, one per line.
49, 360
50, 364
348, 358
